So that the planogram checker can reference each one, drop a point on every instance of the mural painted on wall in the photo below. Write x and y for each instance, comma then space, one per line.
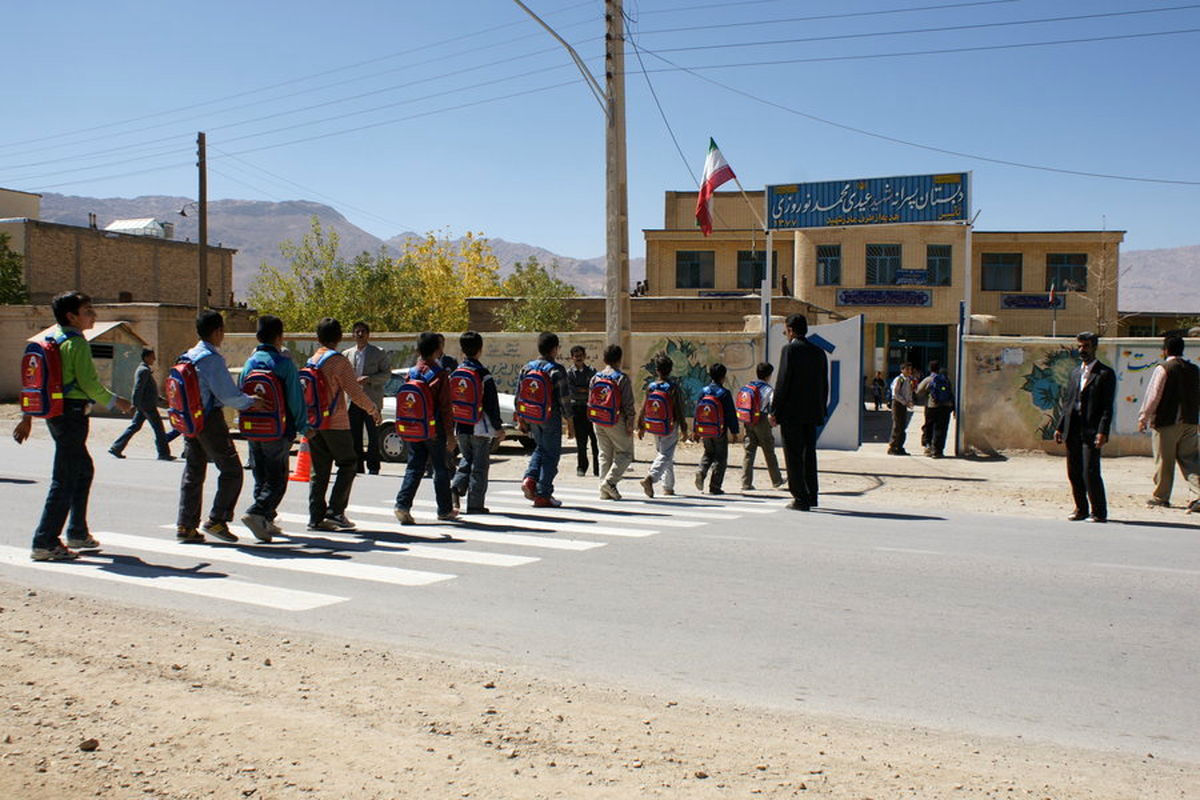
691, 358
1045, 382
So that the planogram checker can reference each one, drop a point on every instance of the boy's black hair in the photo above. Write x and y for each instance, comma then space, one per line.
547, 341
1088, 336
578, 349
329, 331
613, 355
270, 328
428, 343
906, 364
717, 372
209, 322
471, 343
361, 324
763, 370
663, 366
147, 351
798, 323
67, 303
1173, 345
935, 367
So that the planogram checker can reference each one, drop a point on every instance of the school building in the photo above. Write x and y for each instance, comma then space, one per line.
906, 279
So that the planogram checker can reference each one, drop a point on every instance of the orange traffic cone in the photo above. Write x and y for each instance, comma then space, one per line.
303, 463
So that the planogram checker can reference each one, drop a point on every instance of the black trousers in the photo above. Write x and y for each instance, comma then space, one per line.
211, 444
937, 421
900, 415
330, 448
360, 419
585, 432
270, 475
1083, 471
800, 456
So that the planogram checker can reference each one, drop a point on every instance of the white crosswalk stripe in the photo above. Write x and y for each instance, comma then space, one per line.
463, 532
271, 556
533, 519
714, 510
447, 552
229, 589
613, 513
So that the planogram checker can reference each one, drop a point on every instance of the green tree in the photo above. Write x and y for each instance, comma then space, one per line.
539, 300
12, 276
426, 288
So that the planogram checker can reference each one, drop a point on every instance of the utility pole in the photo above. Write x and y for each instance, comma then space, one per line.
202, 203
616, 281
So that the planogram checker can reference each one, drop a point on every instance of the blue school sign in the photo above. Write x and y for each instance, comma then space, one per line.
869, 201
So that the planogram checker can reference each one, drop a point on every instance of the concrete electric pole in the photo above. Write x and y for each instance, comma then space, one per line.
202, 205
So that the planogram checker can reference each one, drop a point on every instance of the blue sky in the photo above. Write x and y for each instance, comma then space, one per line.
465, 115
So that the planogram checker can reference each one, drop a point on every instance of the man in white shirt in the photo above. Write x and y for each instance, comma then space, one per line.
372, 369
1170, 410
902, 403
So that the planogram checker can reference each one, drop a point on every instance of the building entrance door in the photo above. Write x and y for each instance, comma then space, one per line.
918, 344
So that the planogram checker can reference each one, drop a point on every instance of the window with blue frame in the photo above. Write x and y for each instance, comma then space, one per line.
937, 264
694, 269
1067, 272
883, 264
829, 265
1000, 272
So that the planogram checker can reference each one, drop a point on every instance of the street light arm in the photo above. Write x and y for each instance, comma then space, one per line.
592, 83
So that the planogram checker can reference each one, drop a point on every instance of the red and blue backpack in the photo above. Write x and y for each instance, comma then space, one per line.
269, 423
466, 394
658, 412
604, 398
185, 406
320, 399
535, 392
749, 402
42, 390
710, 414
416, 406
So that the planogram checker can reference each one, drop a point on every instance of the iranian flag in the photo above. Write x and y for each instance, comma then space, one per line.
716, 172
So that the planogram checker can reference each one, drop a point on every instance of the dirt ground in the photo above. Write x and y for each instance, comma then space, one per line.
105, 700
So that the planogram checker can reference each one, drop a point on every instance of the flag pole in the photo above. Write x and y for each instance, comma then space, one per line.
764, 288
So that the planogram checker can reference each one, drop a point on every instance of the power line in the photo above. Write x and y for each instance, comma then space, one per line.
822, 17
907, 143
942, 29
930, 52
292, 81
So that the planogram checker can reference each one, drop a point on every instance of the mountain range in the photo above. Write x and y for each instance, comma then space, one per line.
1151, 280
256, 228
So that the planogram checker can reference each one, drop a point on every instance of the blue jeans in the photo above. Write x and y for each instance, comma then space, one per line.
70, 480
419, 454
139, 418
543, 464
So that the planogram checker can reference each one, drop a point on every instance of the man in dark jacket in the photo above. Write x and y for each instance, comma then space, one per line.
800, 408
1086, 417
145, 409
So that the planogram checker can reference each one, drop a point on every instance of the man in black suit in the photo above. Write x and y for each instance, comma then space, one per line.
799, 406
1087, 412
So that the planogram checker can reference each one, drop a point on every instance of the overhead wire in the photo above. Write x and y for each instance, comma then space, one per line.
291, 81
909, 143
824, 17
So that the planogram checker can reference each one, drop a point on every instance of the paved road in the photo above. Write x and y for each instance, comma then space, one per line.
1075, 633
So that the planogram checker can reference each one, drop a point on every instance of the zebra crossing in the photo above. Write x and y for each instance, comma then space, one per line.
382, 551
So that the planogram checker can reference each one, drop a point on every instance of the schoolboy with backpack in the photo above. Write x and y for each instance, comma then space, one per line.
935, 388
59, 382
475, 407
425, 420
271, 430
610, 410
145, 409
716, 425
329, 384
753, 405
198, 386
543, 407
663, 416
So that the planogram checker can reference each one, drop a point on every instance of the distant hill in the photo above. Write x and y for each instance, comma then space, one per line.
256, 228
1161, 280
